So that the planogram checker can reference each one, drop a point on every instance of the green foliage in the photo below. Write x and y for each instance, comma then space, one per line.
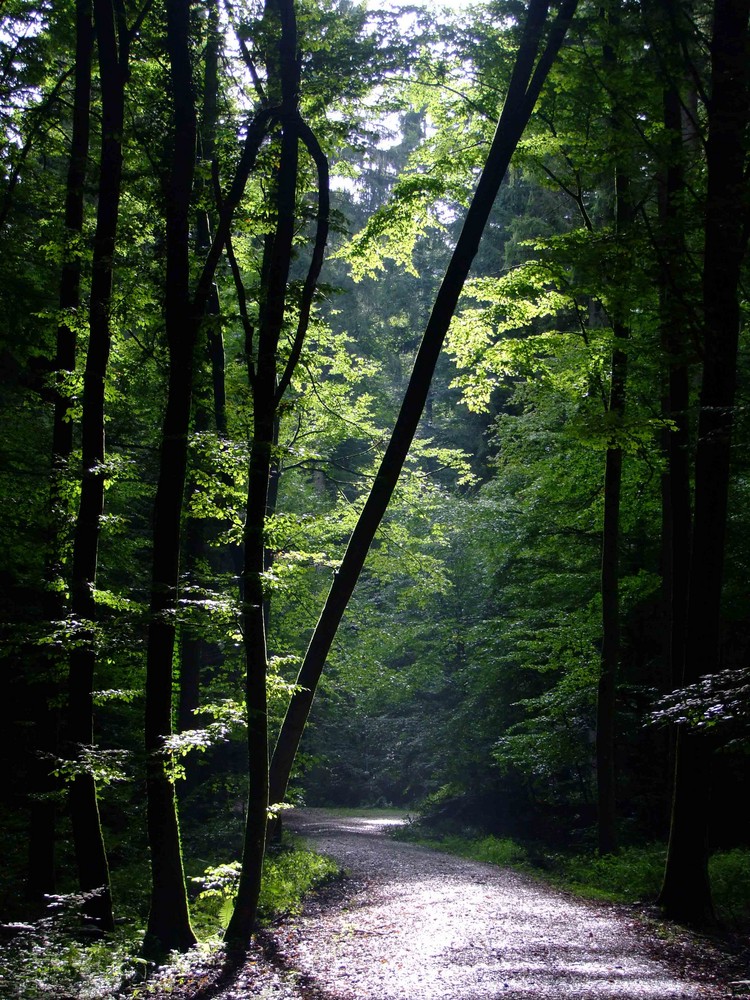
104, 766
393, 230
634, 874
53, 957
288, 875
717, 702
492, 850
465, 671
729, 872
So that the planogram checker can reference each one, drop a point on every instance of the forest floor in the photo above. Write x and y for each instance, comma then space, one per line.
409, 923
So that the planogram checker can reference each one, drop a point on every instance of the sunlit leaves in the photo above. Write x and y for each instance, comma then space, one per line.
104, 766
719, 701
394, 229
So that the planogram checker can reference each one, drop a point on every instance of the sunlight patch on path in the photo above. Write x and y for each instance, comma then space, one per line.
426, 926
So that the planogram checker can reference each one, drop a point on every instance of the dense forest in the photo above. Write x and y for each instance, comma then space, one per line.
375, 403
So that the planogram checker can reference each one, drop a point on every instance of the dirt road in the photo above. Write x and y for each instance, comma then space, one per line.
414, 924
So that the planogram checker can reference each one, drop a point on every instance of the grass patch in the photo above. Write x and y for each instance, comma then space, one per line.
289, 876
631, 876
635, 875
730, 882
54, 957
289, 873
501, 851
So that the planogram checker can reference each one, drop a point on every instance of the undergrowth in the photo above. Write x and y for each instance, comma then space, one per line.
57, 956
288, 875
635, 875
60, 958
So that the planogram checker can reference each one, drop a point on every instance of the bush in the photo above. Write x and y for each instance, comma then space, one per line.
58, 956
633, 875
730, 883
288, 874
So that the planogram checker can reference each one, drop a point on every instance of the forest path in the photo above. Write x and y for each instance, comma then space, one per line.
415, 924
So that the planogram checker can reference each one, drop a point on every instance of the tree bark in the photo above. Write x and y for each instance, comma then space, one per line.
93, 870
169, 926
263, 381
606, 702
525, 85
675, 325
43, 809
677, 329
686, 892
193, 646
606, 705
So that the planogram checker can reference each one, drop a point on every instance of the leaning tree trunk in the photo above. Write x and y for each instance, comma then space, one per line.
686, 891
528, 76
93, 871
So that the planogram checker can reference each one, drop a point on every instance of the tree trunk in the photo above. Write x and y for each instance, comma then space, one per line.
43, 809
193, 646
169, 925
70, 278
91, 858
526, 83
169, 918
606, 702
676, 323
686, 893
263, 382
606, 705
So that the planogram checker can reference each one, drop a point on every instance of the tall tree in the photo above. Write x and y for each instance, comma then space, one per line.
607, 687
268, 389
678, 334
169, 922
114, 44
169, 919
43, 809
210, 405
686, 892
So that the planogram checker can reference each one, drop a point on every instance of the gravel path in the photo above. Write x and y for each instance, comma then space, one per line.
414, 924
